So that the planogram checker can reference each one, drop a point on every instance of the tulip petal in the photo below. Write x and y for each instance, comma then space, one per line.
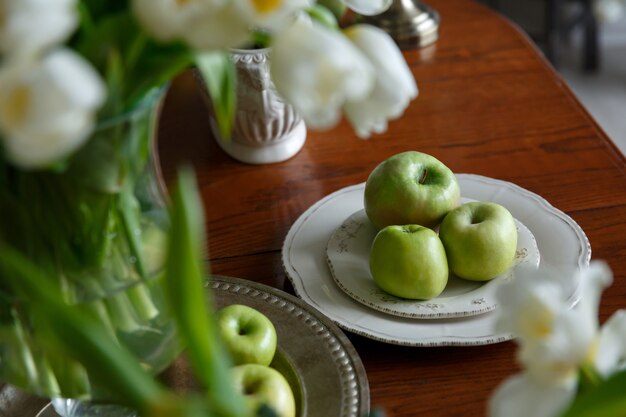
164, 19
521, 396
317, 70
217, 28
554, 339
47, 107
29, 26
594, 280
611, 351
394, 87
530, 303
203, 24
368, 7
557, 356
273, 15
73, 75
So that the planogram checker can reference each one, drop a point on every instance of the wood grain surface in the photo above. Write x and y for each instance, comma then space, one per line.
489, 104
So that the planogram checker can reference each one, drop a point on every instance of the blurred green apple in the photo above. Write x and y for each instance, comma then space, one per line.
410, 188
248, 334
264, 385
480, 239
409, 262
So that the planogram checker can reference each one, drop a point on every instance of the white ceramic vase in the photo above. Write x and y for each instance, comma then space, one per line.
266, 128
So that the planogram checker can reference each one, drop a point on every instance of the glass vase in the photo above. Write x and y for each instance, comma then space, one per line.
97, 224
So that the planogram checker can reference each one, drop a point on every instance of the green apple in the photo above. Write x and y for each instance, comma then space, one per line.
410, 188
480, 240
409, 262
248, 334
264, 385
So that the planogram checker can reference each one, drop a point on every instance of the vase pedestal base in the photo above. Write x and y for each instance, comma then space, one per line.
275, 151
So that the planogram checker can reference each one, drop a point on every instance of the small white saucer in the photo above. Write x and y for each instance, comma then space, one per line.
348, 258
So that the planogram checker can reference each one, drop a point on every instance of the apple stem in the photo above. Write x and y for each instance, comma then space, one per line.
423, 177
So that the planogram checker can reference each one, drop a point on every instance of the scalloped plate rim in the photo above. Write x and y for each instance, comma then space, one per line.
338, 313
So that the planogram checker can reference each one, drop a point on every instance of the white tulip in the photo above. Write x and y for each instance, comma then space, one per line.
555, 340
203, 24
27, 26
165, 19
218, 27
530, 303
272, 15
522, 396
368, 7
395, 86
47, 107
318, 70
531, 394
610, 354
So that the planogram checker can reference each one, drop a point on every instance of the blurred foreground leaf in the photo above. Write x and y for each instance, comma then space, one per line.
187, 297
605, 400
78, 333
218, 73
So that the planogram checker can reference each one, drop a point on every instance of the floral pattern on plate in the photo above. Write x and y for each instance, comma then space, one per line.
347, 255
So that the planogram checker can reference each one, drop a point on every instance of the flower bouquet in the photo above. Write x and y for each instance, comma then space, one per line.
84, 224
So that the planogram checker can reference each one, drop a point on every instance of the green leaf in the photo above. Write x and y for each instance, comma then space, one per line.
130, 213
100, 8
604, 400
218, 72
324, 16
184, 278
86, 21
261, 39
97, 165
337, 7
115, 81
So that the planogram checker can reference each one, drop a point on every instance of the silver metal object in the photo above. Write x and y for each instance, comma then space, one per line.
316, 358
411, 23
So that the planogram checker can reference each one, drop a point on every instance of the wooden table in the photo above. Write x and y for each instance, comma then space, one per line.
489, 104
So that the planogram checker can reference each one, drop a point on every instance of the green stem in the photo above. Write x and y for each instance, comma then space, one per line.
121, 312
129, 209
184, 290
47, 380
79, 335
24, 355
136, 49
72, 377
99, 309
141, 299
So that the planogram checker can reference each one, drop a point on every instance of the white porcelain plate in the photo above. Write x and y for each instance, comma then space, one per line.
561, 242
348, 253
